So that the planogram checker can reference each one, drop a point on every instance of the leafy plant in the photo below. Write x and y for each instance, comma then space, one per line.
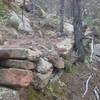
33, 94
3, 12
68, 67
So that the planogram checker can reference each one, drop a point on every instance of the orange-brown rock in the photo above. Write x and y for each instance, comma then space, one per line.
15, 77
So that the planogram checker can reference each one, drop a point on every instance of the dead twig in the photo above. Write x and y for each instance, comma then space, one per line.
97, 93
87, 86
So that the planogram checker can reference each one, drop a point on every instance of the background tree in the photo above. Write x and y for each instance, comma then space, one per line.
61, 17
77, 22
33, 6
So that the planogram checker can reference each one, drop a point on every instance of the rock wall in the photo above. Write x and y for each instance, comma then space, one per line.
22, 67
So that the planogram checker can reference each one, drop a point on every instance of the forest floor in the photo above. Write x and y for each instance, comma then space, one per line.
71, 85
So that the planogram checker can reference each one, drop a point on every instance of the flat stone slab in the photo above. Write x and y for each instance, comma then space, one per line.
22, 64
15, 77
19, 53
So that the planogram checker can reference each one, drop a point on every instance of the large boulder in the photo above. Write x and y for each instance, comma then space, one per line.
20, 22
43, 66
41, 80
19, 53
8, 94
21, 64
15, 77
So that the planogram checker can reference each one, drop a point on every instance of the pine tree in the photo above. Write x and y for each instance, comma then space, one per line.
61, 32
77, 22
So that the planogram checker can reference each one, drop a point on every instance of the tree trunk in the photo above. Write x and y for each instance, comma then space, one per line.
50, 6
61, 17
77, 22
33, 7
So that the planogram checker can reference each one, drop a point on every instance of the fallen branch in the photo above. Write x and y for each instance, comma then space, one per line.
92, 48
87, 86
97, 93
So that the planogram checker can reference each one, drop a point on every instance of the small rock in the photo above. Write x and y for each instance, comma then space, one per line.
1, 40
68, 28
51, 33
34, 55
8, 94
43, 66
91, 31
96, 55
57, 61
41, 80
65, 46
22, 64
15, 77
25, 27
14, 20
96, 50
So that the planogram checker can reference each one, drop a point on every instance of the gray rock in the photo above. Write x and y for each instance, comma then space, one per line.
19, 53
24, 25
96, 50
96, 54
8, 94
14, 20
65, 46
17, 22
41, 80
44, 66
68, 28
56, 60
22, 64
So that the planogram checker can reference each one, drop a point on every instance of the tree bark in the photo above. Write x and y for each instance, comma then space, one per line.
61, 17
33, 7
77, 22
50, 7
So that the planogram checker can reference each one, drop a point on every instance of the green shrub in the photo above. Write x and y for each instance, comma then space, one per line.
68, 67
